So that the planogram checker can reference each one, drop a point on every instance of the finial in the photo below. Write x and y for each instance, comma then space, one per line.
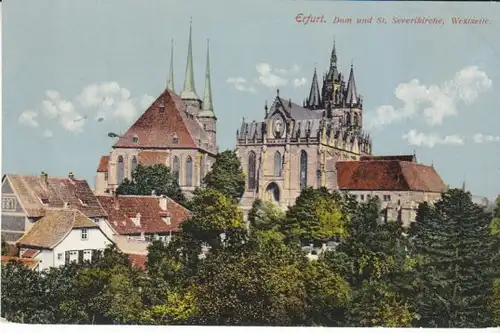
265, 105
290, 103
278, 92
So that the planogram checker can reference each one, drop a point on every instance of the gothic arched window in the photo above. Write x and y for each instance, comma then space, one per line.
189, 171
202, 169
133, 165
356, 119
120, 170
277, 164
251, 171
303, 170
176, 167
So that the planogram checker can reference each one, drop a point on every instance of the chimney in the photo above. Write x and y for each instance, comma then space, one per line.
137, 220
44, 178
116, 202
163, 201
71, 176
153, 192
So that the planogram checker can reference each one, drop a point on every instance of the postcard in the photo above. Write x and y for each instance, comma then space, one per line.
251, 163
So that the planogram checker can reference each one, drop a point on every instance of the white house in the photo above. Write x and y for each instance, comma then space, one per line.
62, 236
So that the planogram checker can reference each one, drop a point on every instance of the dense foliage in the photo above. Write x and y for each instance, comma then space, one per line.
440, 273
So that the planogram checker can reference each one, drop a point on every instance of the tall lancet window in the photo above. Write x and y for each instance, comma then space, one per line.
133, 165
356, 119
251, 171
277, 164
189, 171
202, 169
176, 167
120, 170
303, 170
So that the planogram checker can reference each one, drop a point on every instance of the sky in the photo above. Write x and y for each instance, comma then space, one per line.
75, 70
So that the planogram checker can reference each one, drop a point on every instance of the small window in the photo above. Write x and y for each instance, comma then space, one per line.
85, 235
59, 256
73, 255
105, 176
87, 255
387, 198
135, 139
175, 139
362, 197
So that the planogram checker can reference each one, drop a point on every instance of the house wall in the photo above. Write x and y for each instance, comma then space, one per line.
103, 224
14, 220
96, 240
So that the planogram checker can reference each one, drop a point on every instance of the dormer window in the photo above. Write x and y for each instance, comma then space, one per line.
135, 139
161, 108
44, 201
175, 139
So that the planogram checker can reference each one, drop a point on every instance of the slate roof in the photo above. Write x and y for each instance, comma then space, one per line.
156, 128
51, 229
30, 263
103, 164
124, 208
389, 175
152, 157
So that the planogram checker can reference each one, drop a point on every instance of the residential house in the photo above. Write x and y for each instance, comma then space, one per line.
25, 199
142, 217
62, 236
398, 181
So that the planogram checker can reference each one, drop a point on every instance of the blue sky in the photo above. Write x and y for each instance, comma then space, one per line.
428, 88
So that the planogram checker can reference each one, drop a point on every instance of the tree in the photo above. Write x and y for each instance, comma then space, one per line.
5, 248
226, 175
148, 178
454, 278
316, 217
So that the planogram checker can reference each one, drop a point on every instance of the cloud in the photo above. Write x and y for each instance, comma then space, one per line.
95, 101
267, 76
481, 138
434, 102
47, 133
28, 118
299, 82
240, 84
430, 140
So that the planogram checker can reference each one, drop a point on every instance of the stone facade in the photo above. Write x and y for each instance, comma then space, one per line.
178, 131
297, 146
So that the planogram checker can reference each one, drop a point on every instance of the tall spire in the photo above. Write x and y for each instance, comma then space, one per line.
314, 97
170, 82
352, 94
333, 72
208, 106
333, 58
189, 91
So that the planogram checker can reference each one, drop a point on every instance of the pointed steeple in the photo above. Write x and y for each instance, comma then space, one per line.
352, 94
333, 57
189, 91
314, 97
170, 82
208, 106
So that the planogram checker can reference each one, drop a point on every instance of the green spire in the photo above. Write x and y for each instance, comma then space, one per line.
170, 83
189, 91
208, 106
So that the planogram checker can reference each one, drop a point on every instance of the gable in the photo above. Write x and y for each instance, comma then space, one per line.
6, 188
10, 202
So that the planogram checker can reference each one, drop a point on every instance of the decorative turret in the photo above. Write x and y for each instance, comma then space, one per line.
189, 91
170, 82
314, 100
352, 94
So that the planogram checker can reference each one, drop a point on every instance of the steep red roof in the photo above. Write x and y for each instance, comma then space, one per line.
138, 260
156, 128
389, 175
30, 253
124, 208
54, 192
406, 158
103, 164
152, 157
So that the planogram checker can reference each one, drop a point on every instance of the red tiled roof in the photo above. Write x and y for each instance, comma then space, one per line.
407, 158
152, 157
30, 253
156, 129
390, 175
103, 164
122, 209
57, 191
30, 263
138, 260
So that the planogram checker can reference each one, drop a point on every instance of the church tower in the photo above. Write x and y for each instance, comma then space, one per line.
207, 116
188, 94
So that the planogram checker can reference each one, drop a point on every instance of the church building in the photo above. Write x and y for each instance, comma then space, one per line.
176, 130
297, 146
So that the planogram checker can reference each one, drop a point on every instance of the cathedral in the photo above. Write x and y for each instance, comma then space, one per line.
177, 130
297, 146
